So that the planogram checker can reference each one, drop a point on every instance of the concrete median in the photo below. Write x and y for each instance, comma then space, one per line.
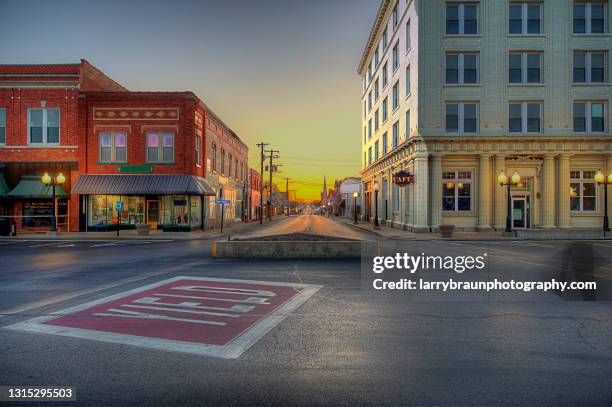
289, 249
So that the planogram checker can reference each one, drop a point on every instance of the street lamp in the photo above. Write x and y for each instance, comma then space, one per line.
376, 225
601, 180
503, 181
355, 195
53, 182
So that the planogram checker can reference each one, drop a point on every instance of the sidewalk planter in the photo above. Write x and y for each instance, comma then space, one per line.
142, 229
446, 231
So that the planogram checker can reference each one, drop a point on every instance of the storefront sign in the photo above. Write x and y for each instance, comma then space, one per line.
135, 169
403, 178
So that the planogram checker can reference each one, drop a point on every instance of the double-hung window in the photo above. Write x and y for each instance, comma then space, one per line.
457, 191
590, 17
385, 113
408, 123
395, 134
384, 41
214, 155
525, 18
376, 90
408, 36
376, 120
461, 18
160, 147
408, 80
462, 68
589, 117
525, 117
525, 67
2, 126
369, 129
369, 101
384, 143
395, 16
583, 191
113, 147
370, 155
44, 126
395, 56
396, 95
385, 78
589, 66
462, 117
198, 149
376, 150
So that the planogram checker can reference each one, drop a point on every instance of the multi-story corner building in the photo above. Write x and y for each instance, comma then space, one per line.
455, 92
128, 157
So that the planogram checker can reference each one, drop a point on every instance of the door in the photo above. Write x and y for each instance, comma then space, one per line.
520, 212
153, 213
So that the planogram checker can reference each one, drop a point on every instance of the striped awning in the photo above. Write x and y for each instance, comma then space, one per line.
142, 184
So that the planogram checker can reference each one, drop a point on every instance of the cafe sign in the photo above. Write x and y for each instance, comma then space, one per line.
403, 178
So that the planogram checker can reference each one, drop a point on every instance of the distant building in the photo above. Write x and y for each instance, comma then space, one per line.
255, 195
349, 186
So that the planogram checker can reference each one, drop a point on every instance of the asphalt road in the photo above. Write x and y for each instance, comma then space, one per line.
344, 346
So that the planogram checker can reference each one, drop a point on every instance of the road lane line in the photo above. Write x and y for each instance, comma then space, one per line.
49, 244
5, 243
104, 244
68, 296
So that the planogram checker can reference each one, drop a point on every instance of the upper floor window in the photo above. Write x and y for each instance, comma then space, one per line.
160, 147
396, 95
408, 123
369, 101
589, 117
198, 149
369, 129
236, 168
385, 78
589, 67
113, 147
525, 67
408, 80
376, 150
525, 18
214, 157
395, 16
376, 120
2, 126
583, 196
241, 170
365, 132
369, 72
395, 134
462, 68
385, 113
525, 117
44, 126
223, 161
589, 17
376, 57
461, 18
229, 170
408, 36
376, 89
462, 117
369, 155
395, 56
384, 40
384, 144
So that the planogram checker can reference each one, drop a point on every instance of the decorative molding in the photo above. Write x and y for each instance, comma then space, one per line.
136, 113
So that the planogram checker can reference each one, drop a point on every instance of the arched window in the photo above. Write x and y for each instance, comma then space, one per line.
229, 171
222, 161
214, 157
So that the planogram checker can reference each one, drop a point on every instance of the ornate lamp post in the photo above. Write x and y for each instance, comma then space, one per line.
53, 182
503, 181
601, 179
355, 195
376, 225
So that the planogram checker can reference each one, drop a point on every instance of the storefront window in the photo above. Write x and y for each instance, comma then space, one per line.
38, 212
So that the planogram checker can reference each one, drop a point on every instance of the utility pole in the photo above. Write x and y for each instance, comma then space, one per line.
272, 157
262, 157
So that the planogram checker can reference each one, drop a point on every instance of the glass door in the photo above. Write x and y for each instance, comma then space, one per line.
519, 213
153, 213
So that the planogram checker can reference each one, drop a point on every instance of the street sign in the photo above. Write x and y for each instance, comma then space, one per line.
204, 316
118, 206
223, 201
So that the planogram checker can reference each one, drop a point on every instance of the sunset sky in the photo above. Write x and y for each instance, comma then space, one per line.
278, 71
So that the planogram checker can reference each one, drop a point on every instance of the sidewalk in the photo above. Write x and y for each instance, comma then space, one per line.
399, 234
228, 230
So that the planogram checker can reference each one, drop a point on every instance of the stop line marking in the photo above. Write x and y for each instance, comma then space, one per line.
214, 317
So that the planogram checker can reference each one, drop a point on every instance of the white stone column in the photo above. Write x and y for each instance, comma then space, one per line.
436, 191
500, 193
548, 192
421, 184
563, 193
484, 192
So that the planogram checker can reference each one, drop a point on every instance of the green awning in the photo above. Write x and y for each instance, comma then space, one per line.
3, 187
32, 187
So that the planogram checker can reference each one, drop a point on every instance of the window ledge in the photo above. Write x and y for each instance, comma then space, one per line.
582, 35
527, 35
588, 84
39, 146
112, 162
160, 162
458, 213
453, 36
527, 85
463, 85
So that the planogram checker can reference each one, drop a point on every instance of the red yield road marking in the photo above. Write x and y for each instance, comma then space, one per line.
208, 316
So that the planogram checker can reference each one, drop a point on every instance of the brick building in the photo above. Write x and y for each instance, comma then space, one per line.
146, 150
255, 195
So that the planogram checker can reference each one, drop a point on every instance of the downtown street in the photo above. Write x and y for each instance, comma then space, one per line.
342, 346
